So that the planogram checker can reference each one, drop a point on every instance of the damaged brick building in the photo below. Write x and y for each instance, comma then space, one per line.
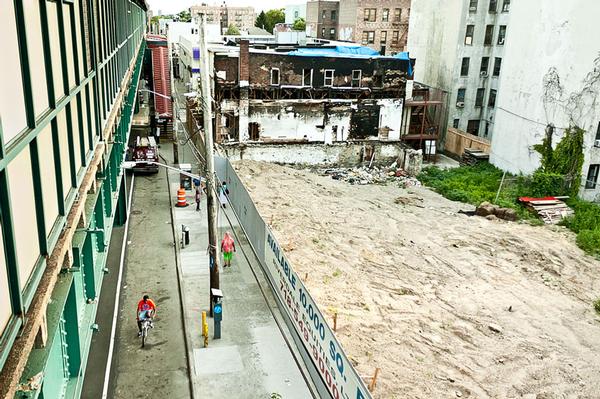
324, 94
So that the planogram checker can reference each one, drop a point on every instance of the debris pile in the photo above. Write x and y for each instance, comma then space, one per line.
363, 175
473, 156
550, 209
491, 211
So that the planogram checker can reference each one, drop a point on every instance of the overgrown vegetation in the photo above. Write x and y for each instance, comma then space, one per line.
586, 223
476, 184
597, 305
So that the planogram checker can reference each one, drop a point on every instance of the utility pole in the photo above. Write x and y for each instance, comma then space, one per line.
211, 188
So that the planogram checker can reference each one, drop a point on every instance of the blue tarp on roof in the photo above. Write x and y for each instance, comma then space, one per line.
348, 52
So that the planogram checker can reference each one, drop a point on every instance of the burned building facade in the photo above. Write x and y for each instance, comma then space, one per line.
321, 95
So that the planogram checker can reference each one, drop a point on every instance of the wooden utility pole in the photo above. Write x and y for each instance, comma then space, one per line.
211, 189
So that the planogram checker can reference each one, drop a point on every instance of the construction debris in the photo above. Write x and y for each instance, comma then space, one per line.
550, 209
486, 209
363, 175
473, 156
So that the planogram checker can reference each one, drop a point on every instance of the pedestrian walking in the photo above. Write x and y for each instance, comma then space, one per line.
227, 248
198, 196
223, 193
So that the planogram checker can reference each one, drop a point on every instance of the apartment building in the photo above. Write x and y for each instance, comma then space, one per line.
69, 80
322, 19
550, 81
242, 17
460, 48
294, 12
379, 24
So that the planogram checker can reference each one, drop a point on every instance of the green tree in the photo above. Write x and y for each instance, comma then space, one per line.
233, 30
299, 24
261, 20
184, 16
273, 18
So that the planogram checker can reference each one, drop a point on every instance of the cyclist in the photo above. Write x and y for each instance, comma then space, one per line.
145, 309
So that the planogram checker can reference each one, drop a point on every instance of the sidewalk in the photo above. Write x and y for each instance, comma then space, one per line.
251, 360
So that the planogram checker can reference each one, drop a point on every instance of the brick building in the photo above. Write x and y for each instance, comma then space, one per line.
242, 17
379, 24
327, 94
322, 19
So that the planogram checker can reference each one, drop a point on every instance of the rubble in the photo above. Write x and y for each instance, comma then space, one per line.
375, 175
486, 210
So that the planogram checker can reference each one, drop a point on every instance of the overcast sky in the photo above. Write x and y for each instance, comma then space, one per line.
174, 6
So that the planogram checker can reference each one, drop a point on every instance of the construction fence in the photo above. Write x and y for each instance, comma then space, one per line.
330, 369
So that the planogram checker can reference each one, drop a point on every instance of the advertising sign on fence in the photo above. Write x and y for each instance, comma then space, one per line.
339, 376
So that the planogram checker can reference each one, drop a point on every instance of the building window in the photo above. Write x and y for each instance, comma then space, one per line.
332, 33
395, 37
592, 177
460, 97
324, 14
469, 35
323, 33
275, 76
473, 5
333, 15
383, 38
296, 14
497, 65
307, 75
328, 81
370, 14
485, 63
492, 99
489, 35
505, 5
356, 77
464, 69
455, 123
397, 14
598, 136
385, 15
473, 127
501, 35
368, 37
493, 6
479, 97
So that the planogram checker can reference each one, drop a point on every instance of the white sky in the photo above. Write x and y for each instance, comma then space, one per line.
174, 6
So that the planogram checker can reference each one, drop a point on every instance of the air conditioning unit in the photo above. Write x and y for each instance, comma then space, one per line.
501, 42
472, 8
460, 104
597, 143
483, 74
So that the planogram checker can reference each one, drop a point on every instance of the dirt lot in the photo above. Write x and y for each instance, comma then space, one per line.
445, 304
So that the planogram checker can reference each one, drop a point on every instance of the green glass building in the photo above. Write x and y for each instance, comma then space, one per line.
68, 82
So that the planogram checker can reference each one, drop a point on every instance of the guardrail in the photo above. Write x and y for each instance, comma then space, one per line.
329, 367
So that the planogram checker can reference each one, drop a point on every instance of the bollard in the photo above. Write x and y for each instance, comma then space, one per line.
205, 329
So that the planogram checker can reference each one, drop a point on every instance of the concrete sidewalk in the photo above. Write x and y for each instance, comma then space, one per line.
251, 360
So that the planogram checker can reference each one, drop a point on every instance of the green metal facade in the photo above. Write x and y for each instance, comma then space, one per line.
97, 42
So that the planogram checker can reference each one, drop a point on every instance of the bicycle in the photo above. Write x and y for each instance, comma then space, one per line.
147, 324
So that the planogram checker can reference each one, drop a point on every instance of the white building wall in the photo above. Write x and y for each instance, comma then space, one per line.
557, 35
437, 41
294, 11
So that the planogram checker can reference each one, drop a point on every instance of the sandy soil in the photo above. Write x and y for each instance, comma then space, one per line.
418, 285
